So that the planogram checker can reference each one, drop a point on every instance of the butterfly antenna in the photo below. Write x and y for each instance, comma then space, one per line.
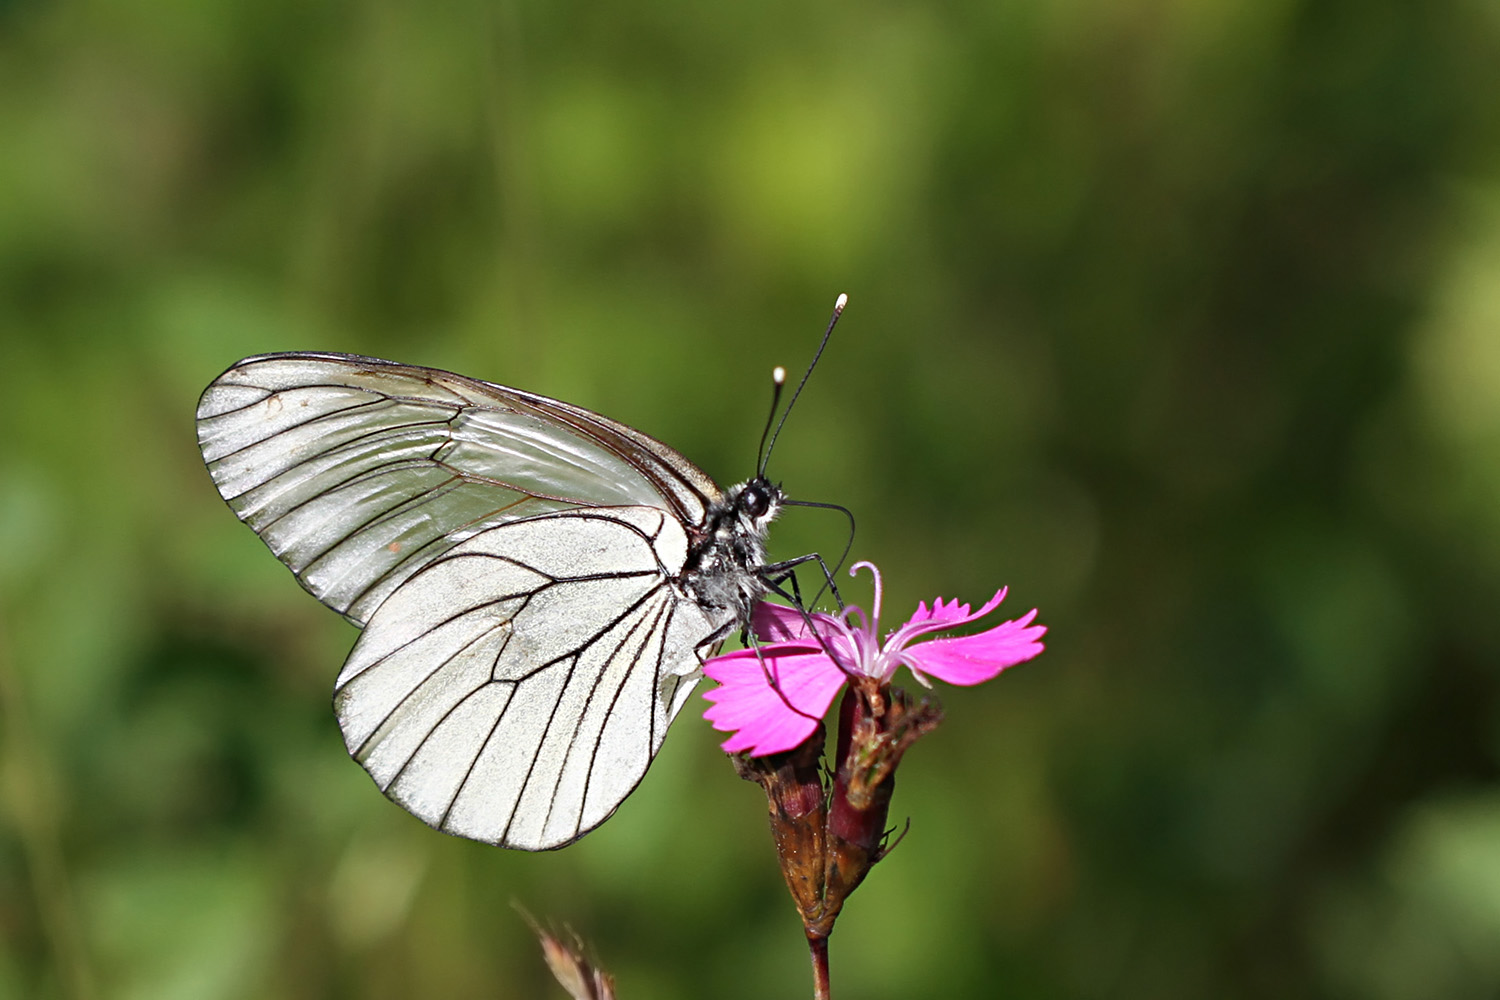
778, 382
838, 310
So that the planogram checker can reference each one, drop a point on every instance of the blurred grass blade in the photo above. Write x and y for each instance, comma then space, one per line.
578, 975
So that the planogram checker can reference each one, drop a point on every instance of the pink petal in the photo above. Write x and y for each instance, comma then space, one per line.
971, 659
939, 612
762, 719
779, 623
941, 617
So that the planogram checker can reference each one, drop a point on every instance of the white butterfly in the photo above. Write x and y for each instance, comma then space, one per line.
537, 584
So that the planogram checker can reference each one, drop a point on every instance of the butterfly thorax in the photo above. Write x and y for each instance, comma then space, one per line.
726, 556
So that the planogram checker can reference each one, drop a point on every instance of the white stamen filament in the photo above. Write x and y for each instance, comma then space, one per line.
869, 636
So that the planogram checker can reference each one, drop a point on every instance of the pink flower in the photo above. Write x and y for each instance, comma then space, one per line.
807, 673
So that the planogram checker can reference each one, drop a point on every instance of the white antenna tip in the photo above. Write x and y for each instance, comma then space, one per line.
839, 305
778, 375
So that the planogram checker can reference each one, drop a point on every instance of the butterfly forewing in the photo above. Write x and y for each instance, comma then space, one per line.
358, 472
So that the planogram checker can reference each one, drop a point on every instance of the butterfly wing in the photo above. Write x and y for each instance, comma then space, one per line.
358, 472
515, 689
512, 562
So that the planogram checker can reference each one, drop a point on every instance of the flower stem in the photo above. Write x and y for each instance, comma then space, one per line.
818, 946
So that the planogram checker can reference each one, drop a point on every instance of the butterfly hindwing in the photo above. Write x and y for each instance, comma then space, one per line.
515, 690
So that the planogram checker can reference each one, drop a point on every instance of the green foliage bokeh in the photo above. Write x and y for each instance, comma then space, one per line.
1180, 318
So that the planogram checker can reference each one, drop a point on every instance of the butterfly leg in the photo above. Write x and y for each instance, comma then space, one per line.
789, 573
749, 641
777, 573
772, 680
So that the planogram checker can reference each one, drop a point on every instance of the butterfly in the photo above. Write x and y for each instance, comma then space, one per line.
536, 585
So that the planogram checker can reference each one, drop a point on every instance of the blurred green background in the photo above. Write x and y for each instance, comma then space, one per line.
1181, 318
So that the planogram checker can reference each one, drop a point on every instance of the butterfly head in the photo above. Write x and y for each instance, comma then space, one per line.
745, 513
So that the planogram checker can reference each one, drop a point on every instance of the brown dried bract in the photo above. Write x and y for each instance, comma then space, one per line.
830, 833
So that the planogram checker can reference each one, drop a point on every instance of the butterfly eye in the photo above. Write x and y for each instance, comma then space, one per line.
756, 501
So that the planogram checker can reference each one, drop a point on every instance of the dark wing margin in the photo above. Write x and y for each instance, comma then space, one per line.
358, 472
